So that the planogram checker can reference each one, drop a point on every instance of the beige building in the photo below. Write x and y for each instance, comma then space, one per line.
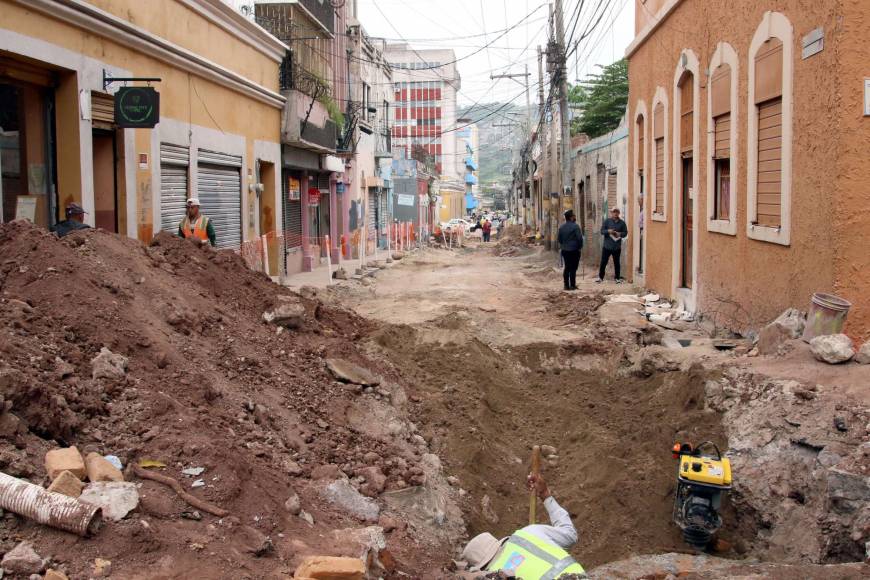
220, 110
748, 140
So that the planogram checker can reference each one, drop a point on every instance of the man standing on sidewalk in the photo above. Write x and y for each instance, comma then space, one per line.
614, 231
570, 242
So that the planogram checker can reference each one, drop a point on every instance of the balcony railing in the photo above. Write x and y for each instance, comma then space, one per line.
293, 76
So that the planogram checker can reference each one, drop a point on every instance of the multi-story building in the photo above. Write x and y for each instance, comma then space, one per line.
426, 83
749, 126
314, 81
370, 184
468, 139
219, 116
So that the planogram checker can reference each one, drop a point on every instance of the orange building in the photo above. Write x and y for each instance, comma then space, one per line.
749, 135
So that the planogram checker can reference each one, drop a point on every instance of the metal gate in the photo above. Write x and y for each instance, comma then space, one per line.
372, 213
382, 214
174, 163
220, 193
292, 218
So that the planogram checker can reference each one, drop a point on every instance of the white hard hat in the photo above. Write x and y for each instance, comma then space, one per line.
481, 550
193, 201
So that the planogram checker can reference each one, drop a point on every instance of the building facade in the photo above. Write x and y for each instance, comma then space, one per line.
217, 137
747, 143
426, 83
468, 140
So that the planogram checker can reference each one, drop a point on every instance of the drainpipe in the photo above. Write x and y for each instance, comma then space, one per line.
48, 508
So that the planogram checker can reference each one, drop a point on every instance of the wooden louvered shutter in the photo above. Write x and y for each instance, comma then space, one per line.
768, 71
722, 136
687, 91
720, 97
640, 145
769, 177
659, 136
102, 110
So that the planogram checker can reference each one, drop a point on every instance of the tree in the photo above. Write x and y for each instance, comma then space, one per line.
602, 99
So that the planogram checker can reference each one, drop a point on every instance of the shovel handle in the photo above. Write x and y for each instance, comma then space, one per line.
533, 495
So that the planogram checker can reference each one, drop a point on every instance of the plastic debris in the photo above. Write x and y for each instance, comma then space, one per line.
150, 463
193, 471
115, 461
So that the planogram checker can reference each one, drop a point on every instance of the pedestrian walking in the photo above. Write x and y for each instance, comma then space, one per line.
196, 226
487, 230
614, 231
571, 243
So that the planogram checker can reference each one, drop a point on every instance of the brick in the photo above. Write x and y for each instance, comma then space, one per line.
68, 459
67, 484
99, 469
331, 568
55, 575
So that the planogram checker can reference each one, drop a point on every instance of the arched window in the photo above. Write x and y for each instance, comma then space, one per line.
658, 163
722, 126
770, 130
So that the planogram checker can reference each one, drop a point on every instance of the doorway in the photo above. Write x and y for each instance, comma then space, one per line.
105, 180
686, 224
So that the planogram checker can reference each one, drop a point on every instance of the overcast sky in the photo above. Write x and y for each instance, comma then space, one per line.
468, 25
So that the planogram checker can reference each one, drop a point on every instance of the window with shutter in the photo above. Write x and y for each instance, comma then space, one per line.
720, 99
768, 105
659, 158
686, 113
640, 145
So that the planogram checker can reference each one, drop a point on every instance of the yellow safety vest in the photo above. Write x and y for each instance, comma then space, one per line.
528, 557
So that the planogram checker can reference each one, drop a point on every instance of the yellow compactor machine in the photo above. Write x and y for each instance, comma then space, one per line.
702, 480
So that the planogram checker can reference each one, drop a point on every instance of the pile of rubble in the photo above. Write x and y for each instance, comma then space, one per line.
201, 389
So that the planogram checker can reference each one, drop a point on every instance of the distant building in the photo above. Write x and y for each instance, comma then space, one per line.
426, 83
468, 142
748, 141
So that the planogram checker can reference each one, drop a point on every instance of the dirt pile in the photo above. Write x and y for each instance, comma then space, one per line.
208, 384
575, 309
514, 241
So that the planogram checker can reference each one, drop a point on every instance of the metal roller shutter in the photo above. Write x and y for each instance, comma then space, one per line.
660, 176
174, 162
769, 185
382, 214
372, 214
292, 219
611, 191
220, 193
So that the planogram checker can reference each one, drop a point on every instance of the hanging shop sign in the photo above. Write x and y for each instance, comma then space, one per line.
137, 107
339, 187
294, 189
313, 196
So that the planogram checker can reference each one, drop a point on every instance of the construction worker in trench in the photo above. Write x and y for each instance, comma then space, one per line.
196, 226
535, 552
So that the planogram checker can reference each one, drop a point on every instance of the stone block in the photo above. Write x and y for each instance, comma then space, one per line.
67, 484
99, 469
52, 574
331, 568
23, 559
67, 459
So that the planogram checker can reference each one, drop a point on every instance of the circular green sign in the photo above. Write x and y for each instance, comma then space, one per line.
137, 104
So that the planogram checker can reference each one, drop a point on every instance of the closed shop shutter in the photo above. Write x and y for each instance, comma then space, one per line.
769, 184
220, 193
292, 219
323, 183
722, 136
660, 175
372, 211
174, 163
611, 191
382, 214
102, 110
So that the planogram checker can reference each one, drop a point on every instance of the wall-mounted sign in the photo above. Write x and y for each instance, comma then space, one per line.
405, 199
137, 107
313, 196
339, 187
294, 189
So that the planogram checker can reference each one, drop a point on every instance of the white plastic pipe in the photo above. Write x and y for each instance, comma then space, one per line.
328, 261
48, 508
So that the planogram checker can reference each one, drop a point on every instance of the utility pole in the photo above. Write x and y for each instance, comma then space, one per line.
562, 75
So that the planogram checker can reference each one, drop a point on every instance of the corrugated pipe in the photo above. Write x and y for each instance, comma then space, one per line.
48, 508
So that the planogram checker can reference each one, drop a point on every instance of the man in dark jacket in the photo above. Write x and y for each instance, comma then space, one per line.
614, 231
570, 242
75, 218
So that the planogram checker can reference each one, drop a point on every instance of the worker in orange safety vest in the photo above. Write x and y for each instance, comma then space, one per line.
196, 226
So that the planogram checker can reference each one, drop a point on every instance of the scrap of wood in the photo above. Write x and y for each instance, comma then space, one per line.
191, 499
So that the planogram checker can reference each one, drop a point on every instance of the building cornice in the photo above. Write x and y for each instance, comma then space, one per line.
650, 28
223, 15
99, 22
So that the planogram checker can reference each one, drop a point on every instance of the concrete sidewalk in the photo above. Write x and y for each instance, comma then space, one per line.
321, 278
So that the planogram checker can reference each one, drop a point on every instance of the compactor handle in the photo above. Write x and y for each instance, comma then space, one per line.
709, 444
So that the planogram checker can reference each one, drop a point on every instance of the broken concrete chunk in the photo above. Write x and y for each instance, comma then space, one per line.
108, 365
100, 469
832, 348
342, 494
331, 568
116, 498
67, 459
23, 559
772, 337
67, 484
102, 568
289, 314
348, 372
792, 320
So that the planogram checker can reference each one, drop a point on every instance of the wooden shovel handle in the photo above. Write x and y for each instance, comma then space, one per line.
533, 495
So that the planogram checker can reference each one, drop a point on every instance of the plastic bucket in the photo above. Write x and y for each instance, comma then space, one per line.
827, 315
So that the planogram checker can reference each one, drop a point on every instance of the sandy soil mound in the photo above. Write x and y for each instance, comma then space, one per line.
209, 384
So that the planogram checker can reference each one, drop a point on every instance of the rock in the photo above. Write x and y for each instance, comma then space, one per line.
341, 494
102, 568
293, 505
307, 517
67, 484
331, 568
117, 498
398, 255
62, 369
288, 314
52, 574
348, 372
487, 511
772, 337
291, 467
67, 459
793, 321
548, 450
340, 274
363, 543
108, 365
328, 471
832, 348
23, 559
847, 492
253, 541
375, 483
863, 356
11, 425
390, 523
99, 469
366, 282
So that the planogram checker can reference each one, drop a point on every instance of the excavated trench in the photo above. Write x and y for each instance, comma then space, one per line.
482, 408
